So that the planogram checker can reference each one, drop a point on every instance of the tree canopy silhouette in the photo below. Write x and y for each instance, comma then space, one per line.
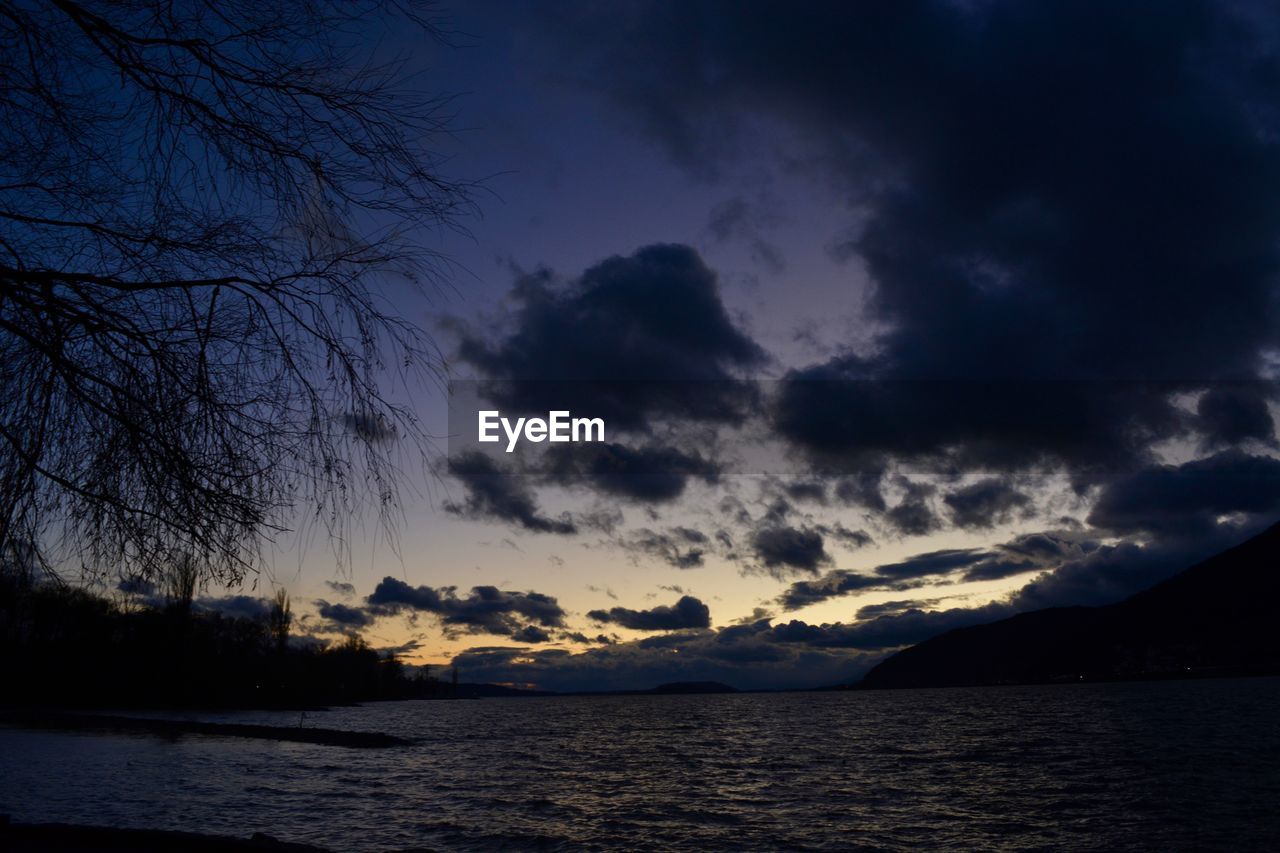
204, 209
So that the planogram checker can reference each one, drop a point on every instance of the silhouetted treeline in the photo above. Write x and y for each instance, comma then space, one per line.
66, 646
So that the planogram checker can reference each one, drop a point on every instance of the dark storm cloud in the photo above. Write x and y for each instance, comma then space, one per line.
1102, 574
344, 615
1231, 414
863, 488
1049, 191
932, 563
1020, 555
985, 503
912, 516
493, 493
843, 418
833, 584
649, 474
341, 588
486, 609
686, 613
997, 567
889, 608
235, 606
1188, 500
393, 594
807, 491
1046, 547
631, 338
531, 634
790, 548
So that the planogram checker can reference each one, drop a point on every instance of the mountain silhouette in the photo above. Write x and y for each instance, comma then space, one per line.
1216, 618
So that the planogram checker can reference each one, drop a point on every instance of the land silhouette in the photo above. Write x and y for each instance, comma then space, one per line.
69, 647
1215, 618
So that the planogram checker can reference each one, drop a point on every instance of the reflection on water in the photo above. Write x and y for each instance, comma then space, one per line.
1161, 765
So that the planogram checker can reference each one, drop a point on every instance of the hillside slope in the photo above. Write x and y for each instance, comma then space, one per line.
1218, 617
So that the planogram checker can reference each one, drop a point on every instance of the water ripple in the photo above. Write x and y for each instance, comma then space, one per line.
1169, 766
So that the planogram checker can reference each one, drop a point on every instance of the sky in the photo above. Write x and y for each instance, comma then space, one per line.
921, 314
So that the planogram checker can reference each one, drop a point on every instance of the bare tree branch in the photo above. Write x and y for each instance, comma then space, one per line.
203, 207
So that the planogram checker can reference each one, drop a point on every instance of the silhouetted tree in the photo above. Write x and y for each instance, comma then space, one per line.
281, 619
181, 580
62, 644
201, 205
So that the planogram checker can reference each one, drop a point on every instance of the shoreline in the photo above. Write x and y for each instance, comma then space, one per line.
68, 721
34, 837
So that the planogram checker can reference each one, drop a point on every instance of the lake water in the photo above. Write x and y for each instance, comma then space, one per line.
1158, 765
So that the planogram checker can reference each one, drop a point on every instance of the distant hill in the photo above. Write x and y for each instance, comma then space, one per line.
1217, 618
480, 691
688, 687
491, 691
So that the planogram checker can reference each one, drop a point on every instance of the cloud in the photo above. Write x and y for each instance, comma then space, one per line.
836, 583
405, 648
863, 488
850, 538
680, 547
495, 494
235, 606
746, 656
985, 503
1188, 500
807, 491
531, 634
1103, 574
605, 590
790, 548
908, 627
395, 594
650, 474
913, 516
630, 339
686, 613
486, 609
932, 563
1053, 250
1078, 573
341, 588
761, 653
344, 615
1021, 555
890, 608
1231, 414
